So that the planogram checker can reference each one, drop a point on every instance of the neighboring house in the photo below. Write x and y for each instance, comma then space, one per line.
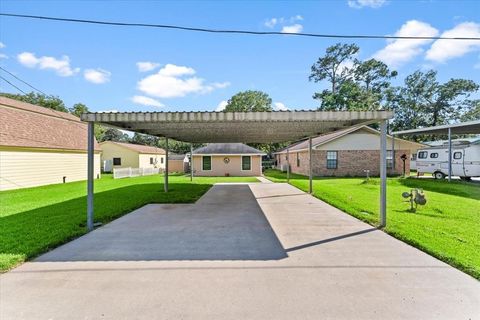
227, 159
178, 163
40, 146
128, 155
347, 152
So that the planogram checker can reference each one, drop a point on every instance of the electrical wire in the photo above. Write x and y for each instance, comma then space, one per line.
12, 85
23, 81
226, 31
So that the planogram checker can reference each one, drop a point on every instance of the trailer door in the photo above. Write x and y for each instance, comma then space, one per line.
458, 168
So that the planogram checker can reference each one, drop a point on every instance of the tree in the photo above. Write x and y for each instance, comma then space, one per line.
112, 134
472, 111
78, 108
144, 139
332, 65
178, 147
373, 77
47, 101
249, 101
424, 102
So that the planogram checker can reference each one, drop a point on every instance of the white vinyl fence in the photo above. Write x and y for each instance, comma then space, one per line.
119, 173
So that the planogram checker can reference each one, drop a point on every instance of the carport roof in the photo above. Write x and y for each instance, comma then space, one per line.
469, 127
260, 127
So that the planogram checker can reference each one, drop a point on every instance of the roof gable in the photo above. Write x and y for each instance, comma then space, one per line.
329, 137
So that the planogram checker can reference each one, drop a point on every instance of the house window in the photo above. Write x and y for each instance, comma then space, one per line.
298, 159
433, 155
117, 161
389, 159
161, 160
422, 155
206, 163
246, 163
457, 155
332, 159
151, 160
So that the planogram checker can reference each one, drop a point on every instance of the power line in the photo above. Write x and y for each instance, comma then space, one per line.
23, 81
226, 31
12, 85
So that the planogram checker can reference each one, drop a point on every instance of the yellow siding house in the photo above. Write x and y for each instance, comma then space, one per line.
40, 146
128, 155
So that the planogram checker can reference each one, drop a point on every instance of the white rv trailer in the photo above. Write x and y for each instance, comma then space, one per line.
465, 159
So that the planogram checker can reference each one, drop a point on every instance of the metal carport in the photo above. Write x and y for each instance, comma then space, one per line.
245, 127
469, 127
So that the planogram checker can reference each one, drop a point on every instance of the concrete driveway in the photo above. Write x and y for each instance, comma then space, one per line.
259, 251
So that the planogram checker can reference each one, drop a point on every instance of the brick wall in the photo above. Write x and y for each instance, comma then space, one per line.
349, 163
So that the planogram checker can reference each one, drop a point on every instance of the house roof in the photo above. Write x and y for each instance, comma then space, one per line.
30, 126
328, 137
176, 157
137, 147
227, 148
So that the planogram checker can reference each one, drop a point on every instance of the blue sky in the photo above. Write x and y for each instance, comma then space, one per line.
98, 65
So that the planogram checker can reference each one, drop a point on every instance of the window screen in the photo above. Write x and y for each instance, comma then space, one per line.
389, 159
457, 155
117, 161
246, 163
433, 155
206, 163
332, 160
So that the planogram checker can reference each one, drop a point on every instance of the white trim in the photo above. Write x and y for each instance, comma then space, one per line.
241, 163
211, 162
347, 132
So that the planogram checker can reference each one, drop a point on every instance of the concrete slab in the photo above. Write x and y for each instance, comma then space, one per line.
328, 266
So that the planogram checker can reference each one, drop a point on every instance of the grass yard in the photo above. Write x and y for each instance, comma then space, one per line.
447, 227
35, 220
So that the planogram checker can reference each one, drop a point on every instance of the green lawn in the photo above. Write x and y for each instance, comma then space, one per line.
447, 227
35, 220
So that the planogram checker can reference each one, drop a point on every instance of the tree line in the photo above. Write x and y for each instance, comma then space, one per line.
352, 84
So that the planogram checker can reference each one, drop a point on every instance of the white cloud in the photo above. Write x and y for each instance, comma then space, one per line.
144, 66
272, 22
222, 105
60, 66
3, 56
358, 4
146, 101
176, 81
280, 106
399, 51
97, 76
295, 28
443, 50
2, 45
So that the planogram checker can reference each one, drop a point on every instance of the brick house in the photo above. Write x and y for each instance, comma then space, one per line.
347, 152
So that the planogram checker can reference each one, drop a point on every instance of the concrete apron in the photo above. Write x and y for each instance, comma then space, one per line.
258, 251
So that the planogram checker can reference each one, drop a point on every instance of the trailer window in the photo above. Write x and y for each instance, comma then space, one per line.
457, 155
422, 155
433, 155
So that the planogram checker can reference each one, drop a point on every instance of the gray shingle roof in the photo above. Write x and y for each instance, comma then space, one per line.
227, 148
176, 156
